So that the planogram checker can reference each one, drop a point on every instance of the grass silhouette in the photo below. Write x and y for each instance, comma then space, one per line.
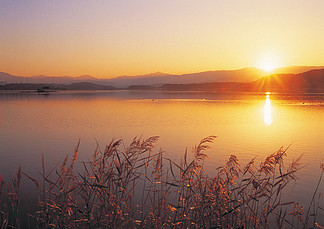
135, 187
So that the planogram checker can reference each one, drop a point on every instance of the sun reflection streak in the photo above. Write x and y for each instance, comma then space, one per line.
268, 112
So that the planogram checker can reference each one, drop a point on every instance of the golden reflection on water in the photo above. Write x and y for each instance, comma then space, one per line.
267, 112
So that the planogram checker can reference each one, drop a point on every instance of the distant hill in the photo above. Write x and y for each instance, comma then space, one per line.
296, 69
155, 74
29, 86
241, 75
53, 87
6, 78
86, 86
311, 81
307, 82
220, 87
158, 79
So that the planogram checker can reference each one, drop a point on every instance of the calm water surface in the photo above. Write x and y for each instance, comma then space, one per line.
247, 125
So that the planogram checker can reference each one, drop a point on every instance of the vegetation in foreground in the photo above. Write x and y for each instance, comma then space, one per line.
135, 187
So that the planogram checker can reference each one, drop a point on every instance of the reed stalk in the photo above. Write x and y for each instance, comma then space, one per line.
135, 187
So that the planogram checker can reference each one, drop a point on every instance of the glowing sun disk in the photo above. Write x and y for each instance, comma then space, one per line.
269, 61
269, 67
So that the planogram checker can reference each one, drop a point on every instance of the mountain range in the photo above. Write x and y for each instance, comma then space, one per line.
310, 81
158, 78
307, 82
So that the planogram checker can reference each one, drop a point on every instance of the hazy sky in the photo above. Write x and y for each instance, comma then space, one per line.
107, 38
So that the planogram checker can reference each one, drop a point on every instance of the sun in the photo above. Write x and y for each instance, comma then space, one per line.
269, 62
268, 67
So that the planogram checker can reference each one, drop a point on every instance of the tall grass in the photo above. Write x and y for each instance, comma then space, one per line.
133, 187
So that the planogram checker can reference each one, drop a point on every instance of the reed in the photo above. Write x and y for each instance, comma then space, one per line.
136, 187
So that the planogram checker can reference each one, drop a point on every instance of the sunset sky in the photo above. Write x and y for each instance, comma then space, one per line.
108, 38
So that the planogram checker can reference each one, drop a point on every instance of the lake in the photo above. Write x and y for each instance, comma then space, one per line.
247, 125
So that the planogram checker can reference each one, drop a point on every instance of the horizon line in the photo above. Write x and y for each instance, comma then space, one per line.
163, 73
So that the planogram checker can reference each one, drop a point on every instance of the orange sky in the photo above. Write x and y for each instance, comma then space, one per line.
108, 38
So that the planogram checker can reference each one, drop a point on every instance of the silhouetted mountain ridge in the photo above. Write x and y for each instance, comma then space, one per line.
8, 78
158, 79
307, 82
311, 81
42, 87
